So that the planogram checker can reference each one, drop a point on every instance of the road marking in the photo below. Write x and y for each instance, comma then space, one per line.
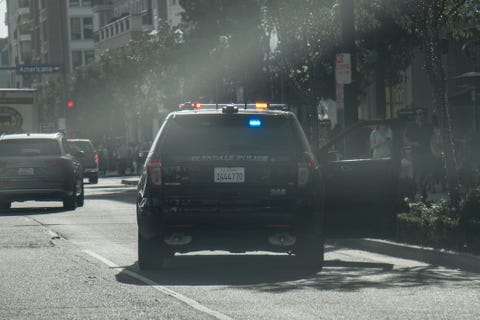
192, 303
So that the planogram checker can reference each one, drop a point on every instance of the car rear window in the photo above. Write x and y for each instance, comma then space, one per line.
84, 146
237, 133
29, 147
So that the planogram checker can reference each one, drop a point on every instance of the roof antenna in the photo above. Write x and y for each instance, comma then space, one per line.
245, 96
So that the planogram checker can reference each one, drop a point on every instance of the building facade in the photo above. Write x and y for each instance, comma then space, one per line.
120, 21
18, 20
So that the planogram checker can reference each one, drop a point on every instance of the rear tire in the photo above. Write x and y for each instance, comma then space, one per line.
93, 180
311, 254
70, 202
152, 253
81, 198
5, 205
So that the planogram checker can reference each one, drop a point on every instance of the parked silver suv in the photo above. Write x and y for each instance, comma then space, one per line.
39, 167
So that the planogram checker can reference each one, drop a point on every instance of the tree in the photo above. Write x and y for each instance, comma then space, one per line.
126, 85
429, 19
216, 68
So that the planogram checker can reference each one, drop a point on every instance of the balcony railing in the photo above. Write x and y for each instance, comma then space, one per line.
130, 23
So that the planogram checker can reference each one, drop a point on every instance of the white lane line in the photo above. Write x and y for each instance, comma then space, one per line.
192, 303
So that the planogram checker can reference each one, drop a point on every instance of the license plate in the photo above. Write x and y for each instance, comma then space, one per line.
229, 175
25, 171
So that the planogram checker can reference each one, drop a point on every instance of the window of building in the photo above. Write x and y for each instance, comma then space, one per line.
87, 28
77, 59
24, 4
74, 3
81, 28
76, 28
89, 56
80, 58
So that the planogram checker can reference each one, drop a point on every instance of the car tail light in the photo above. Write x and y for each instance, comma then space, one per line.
154, 171
306, 164
95, 158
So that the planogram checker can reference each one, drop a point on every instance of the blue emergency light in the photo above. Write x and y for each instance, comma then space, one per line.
254, 123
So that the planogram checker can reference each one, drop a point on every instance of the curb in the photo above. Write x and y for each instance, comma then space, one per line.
441, 257
130, 182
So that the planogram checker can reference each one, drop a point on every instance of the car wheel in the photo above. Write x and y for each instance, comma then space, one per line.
310, 253
81, 198
5, 205
70, 202
93, 180
152, 253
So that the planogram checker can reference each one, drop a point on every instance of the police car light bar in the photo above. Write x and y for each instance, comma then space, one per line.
258, 106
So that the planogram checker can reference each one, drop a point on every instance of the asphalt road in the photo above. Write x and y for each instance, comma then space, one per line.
83, 265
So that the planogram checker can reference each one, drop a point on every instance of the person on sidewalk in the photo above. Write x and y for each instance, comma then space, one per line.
381, 141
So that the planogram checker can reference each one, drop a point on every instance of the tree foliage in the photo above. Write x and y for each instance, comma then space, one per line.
430, 20
278, 50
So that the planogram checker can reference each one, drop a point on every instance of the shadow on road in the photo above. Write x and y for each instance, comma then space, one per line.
126, 196
259, 272
280, 273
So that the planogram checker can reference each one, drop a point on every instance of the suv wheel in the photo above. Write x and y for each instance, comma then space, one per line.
70, 202
152, 253
93, 180
81, 198
5, 205
310, 253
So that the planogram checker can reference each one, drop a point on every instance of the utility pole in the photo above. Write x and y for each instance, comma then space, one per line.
350, 115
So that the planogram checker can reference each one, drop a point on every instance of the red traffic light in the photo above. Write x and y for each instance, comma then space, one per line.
70, 103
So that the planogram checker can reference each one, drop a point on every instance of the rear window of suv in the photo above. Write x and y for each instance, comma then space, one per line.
29, 147
84, 146
194, 134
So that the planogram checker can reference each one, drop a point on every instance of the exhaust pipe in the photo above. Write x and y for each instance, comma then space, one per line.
177, 239
283, 239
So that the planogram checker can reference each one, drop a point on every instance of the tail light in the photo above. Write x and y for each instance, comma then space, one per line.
154, 171
306, 164
95, 158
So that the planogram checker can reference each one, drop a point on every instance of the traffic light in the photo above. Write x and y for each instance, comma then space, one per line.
70, 104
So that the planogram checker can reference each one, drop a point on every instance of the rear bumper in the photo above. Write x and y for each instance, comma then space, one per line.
41, 194
234, 229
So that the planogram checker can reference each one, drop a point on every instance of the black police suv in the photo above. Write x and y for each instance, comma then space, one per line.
227, 177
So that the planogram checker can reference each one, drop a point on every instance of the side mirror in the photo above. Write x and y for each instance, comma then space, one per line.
334, 155
79, 154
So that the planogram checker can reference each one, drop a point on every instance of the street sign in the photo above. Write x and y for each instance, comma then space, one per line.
343, 68
39, 68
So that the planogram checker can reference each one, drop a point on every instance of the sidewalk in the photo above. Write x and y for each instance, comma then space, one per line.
127, 179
